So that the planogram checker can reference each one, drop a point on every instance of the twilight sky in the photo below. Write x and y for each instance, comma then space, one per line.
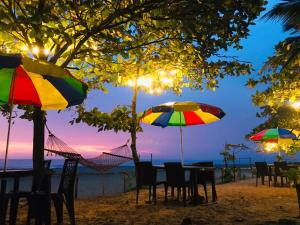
202, 142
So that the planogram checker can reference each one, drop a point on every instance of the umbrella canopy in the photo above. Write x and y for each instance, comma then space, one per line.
273, 135
182, 114
30, 82
25, 81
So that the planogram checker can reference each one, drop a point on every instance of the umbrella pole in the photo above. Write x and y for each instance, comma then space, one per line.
181, 146
8, 136
10, 117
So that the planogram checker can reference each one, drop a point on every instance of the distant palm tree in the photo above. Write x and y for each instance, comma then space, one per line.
287, 11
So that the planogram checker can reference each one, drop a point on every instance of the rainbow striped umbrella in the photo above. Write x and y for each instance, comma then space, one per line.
182, 114
273, 135
24, 81
28, 82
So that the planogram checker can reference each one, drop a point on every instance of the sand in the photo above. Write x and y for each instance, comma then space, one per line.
238, 203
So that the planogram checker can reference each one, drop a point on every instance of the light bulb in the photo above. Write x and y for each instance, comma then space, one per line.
35, 50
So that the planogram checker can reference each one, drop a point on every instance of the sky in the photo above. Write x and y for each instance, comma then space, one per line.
203, 142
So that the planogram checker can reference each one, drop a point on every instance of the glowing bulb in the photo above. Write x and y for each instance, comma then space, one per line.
130, 83
269, 146
296, 105
145, 81
46, 51
162, 72
151, 91
166, 81
173, 72
35, 50
158, 90
25, 48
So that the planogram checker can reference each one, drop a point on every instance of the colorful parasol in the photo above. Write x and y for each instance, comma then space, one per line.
28, 82
25, 81
273, 135
182, 114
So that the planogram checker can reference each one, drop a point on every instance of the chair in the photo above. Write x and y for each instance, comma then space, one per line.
146, 176
262, 171
65, 191
280, 167
38, 184
3, 201
175, 175
205, 177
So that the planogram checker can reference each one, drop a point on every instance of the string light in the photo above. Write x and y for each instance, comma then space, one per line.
145, 81
270, 146
46, 51
35, 50
167, 81
296, 105
174, 72
162, 72
130, 83
25, 48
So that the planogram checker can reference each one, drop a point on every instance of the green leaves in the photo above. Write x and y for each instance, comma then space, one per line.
118, 120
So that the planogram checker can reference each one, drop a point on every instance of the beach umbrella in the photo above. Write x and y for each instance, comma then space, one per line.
181, 114
25, 81
274, 139
274, 135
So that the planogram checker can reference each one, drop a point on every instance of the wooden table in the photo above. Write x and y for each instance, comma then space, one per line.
15, 175
194, 172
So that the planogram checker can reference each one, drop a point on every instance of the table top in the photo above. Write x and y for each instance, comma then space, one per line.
16, 173
187, 167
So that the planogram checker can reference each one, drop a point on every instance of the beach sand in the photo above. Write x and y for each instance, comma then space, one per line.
238, 203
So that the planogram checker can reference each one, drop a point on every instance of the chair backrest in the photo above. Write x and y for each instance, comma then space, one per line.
40, 181
174, 173
145, 173
262, 169
205, 176
68, 175
280, 167
204, 164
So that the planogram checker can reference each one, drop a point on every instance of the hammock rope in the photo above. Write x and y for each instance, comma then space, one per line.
102, 163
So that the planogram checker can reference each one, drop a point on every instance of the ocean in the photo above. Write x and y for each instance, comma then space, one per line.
91, 183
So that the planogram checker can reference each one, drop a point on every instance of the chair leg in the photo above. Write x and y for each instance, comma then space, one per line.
214, 191
256, 181
178, 193
58, 205
263, 180
172, 191
149, 194
184, 195
166, 192
3, 209
154, 193
70, 208
281, 180
137, 194
205, 191
14, 202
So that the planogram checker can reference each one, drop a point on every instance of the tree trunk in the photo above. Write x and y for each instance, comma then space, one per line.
134, 125
38, 138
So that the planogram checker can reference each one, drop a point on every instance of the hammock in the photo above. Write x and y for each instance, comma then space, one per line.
102, 163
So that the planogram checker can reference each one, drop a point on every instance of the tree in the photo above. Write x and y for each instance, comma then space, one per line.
93, 35
281, 73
